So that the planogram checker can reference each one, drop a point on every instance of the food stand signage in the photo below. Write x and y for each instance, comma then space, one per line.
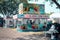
36, 1
36, 16
20, 15
32, 16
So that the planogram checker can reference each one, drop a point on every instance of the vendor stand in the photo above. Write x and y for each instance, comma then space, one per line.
31, 17
30, 22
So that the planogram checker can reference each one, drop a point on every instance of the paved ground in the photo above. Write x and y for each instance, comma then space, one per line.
12, 34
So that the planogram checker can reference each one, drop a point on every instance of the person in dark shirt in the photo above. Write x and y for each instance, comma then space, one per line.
49, 25
57, 27
1, 22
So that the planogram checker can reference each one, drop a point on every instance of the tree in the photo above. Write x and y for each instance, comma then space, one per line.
54, 1
9, 7
58, 5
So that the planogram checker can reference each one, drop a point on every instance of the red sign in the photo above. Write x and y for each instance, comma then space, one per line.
27, 16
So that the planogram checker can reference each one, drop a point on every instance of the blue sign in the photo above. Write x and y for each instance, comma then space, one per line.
20, 16
42, 9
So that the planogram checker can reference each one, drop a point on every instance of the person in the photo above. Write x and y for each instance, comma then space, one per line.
56, 28
52, 31
44, 26
49, 24
1, 22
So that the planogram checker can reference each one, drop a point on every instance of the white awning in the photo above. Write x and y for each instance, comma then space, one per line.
55, 15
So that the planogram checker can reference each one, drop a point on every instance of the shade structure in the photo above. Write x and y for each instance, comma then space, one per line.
55, 15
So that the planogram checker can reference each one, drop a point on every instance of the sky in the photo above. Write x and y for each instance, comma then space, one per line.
48, 8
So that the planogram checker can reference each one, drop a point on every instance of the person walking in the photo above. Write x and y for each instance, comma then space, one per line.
56, 33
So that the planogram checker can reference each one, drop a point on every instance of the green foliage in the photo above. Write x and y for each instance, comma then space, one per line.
9, 6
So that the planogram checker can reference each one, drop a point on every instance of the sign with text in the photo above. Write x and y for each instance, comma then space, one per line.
36, 1
36, 16
20, 15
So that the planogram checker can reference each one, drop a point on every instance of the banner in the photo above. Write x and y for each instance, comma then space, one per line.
20, 10
20, 15
36, 1
35, 16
